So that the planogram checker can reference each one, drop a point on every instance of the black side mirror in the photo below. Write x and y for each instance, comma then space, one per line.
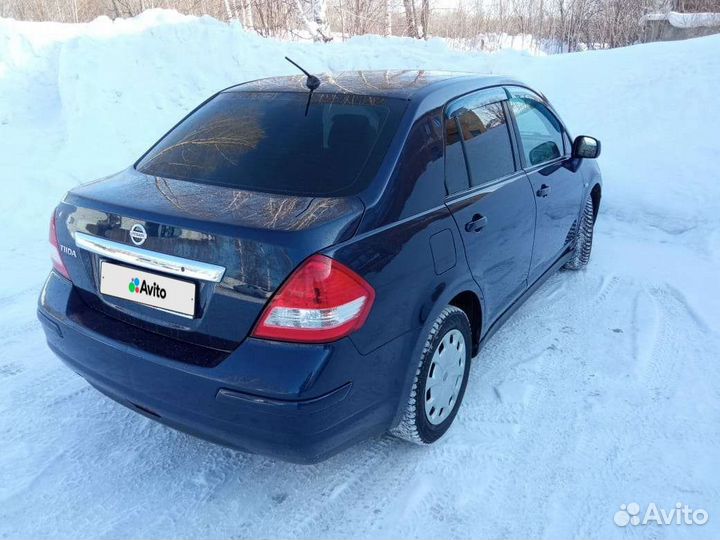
585, 146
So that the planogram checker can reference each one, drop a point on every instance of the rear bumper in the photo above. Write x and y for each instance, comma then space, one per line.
300, 403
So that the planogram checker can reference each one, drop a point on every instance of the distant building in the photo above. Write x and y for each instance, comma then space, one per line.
681, 19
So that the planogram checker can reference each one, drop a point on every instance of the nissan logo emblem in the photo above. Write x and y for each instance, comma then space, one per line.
138, 234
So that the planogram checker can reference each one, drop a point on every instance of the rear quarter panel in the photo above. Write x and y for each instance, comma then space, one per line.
397, 261
410, 251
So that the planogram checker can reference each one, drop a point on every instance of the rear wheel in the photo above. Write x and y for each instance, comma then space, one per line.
440, 379
583, 238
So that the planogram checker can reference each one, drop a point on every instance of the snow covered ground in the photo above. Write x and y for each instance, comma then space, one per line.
603, 390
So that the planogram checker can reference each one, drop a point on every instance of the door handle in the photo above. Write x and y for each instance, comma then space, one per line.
544, 191
476, 223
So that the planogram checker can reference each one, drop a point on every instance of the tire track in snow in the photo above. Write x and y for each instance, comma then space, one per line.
661, 361
648, 327
569, 369
607, 285
346, 486
10, 370
659, 339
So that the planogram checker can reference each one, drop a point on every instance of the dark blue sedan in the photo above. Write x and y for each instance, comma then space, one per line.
301, 264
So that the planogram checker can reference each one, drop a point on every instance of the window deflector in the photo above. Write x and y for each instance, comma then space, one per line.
473, 101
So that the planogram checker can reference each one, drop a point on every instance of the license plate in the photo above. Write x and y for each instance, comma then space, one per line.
148, 288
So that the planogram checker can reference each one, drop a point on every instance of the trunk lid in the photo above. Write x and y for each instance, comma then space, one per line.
257, 238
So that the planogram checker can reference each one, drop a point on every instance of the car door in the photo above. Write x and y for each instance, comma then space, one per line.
545, 152
489, 196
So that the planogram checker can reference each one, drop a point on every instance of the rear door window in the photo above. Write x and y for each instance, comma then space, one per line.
478, 123
263, 141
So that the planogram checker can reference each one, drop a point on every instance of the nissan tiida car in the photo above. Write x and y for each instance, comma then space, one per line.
302, 263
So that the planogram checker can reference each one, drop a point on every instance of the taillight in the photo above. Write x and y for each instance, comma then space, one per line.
322, 301
57, 262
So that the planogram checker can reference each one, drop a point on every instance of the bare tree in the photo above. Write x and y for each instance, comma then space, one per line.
425, 18
387, 15
565, 25
316, 22
229, 11
247, 13
411, 25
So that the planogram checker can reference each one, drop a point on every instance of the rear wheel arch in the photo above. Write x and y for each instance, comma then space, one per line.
417, 423
469, 302
462, 293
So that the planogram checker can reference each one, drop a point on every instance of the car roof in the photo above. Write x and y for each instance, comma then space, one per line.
403, 84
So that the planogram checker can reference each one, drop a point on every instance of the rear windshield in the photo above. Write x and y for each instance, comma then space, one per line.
262, 141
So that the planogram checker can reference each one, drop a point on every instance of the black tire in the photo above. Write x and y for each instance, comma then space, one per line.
583, 238
415, 425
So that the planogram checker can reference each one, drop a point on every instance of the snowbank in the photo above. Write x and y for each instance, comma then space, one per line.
600, 391
82, 101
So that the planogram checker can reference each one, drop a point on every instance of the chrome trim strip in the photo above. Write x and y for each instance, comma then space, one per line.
151, 260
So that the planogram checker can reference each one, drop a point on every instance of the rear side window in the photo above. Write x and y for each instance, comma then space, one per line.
487, 143
541, 134
263, 141
483, 133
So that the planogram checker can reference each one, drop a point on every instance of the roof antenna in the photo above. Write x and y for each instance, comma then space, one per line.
312, 82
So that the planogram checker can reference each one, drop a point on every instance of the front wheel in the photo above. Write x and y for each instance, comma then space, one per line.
583, 238
440, 379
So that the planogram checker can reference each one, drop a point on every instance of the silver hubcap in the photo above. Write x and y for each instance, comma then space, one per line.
445, 377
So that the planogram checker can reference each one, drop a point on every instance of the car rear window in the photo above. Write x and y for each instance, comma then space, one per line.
263, 141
